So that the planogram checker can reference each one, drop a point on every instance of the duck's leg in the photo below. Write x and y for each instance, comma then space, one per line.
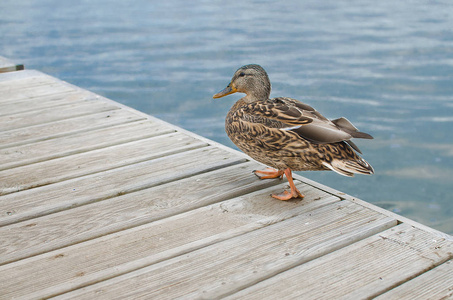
295, 193
269, 173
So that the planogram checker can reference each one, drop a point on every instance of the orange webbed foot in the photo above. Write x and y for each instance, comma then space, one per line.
295, 193
269, 173
288, 195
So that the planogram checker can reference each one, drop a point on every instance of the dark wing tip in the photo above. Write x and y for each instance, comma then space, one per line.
353, 146
361, 135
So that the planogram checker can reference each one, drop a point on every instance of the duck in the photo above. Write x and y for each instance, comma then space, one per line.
287, 135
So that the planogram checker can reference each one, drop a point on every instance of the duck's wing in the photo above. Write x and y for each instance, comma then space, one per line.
289, 114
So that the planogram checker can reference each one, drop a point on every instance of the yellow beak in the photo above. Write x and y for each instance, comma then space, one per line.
230, 89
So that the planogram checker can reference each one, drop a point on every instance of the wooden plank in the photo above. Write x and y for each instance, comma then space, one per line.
128, 250
77, 165
94, 212
68, 194
28, 79
434, 284
24, 79
400, 218
39, 103
77, 143
104, 217
219, 269
360, 271
37, 133
44, 88
14, 93
5, 78
47, 115
90, 221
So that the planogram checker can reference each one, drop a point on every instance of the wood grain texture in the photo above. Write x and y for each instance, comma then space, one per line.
82, 190
117, 213
23, 79
434, 284
47, 115
227, 266
176, 234
65, 127
80, 164
10, 107
361, 271
99, 201
77, 143
23, 91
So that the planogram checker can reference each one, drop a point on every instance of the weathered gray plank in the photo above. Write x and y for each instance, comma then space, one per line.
6, 78
67, 167
360, 271
100, 205
81, 264
402, 219
39, 103
227, 266
66, 127
24, 79
48, 199
52, 114
75, 143
27, 78
90, 221
434, 284
17, 92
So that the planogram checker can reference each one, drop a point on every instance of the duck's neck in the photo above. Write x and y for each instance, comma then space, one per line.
259, 93
253, 98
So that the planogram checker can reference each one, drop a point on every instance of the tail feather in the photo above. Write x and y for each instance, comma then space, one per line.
350, 167
361, 135
353, 146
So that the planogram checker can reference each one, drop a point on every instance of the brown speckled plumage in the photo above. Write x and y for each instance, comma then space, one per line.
284, 133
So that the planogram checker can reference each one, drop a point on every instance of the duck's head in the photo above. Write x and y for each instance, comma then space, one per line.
251, 80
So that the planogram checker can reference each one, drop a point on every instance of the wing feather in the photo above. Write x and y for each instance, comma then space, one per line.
289, 114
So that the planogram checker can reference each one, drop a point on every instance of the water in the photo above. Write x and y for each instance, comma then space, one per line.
386, 65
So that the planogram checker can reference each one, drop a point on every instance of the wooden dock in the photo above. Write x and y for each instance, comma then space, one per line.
100, 201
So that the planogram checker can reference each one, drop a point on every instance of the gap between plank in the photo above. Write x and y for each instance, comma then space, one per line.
67, 133
58, 102
338, 243
230, 162
397, 284
258, 188
149, 158
199, 244
87, 149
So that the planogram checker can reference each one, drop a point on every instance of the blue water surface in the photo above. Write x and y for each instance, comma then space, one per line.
385, 65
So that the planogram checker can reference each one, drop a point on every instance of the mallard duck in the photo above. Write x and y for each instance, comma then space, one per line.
286, 134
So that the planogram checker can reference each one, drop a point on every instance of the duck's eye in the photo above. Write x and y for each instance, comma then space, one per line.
242, 74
